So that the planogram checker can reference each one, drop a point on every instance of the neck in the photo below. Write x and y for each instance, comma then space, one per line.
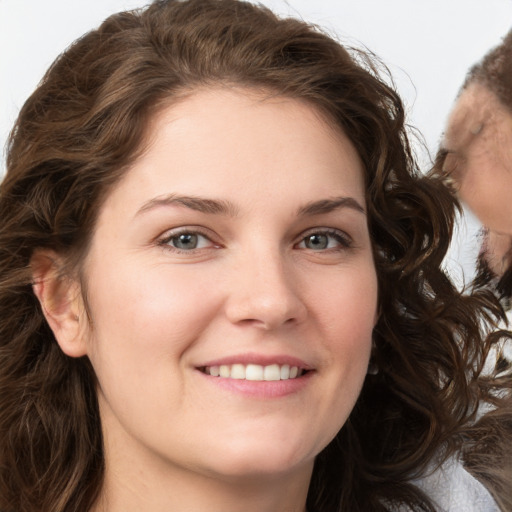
133, 489
138, 479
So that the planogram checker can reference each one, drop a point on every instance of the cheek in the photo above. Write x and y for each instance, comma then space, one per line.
486, 190
143, 325
348, 323
486, 180
349, 313
147, 315
496, 252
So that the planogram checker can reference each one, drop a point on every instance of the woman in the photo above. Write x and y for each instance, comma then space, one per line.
221, 285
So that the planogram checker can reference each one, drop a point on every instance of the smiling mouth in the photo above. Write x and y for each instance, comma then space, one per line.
254, 372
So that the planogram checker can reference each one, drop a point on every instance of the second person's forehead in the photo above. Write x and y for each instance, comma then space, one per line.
477, 108
464, 121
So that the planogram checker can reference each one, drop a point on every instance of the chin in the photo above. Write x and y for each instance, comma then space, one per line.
262, 461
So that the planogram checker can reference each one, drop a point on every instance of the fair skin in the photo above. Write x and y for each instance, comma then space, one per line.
236, 244
496, 249
479, 143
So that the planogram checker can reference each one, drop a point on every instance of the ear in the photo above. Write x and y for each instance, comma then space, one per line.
61, 301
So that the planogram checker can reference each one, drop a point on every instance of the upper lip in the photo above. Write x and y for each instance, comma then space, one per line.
259, 359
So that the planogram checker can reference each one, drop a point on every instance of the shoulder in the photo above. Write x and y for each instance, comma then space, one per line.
453, 489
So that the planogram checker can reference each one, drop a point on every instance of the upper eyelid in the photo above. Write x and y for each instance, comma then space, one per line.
170, 233
325, 231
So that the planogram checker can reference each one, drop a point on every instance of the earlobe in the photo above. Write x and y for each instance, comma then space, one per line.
60, 299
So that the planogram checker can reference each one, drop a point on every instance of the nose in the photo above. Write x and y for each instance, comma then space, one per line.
264, 294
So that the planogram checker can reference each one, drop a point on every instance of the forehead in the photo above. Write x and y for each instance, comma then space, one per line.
475, 107
232, 143
226, 122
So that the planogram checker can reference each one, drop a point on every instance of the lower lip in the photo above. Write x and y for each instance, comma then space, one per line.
261, 388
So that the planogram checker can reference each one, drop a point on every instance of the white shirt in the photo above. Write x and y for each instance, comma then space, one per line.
452, 489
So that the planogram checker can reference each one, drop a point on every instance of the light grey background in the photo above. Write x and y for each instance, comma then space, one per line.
428, 45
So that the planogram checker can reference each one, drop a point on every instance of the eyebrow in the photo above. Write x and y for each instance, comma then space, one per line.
199, 204
328, 205
223, 207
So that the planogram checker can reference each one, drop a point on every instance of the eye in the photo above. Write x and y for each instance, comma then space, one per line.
186, 240
325, 240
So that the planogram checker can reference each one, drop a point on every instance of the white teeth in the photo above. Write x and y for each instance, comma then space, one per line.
238, 371
272, 372
254, 372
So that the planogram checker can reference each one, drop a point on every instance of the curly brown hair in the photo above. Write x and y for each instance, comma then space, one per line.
489, 455
75, 137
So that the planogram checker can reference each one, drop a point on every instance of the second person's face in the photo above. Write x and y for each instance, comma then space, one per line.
479, 144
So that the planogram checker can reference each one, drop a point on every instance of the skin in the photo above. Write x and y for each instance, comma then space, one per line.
496, 250
254, 288
479, 143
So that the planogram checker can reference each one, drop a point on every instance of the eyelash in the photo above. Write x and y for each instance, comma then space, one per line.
165, 242
343, 241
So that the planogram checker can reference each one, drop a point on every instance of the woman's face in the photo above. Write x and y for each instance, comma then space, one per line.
236, 245
479, 144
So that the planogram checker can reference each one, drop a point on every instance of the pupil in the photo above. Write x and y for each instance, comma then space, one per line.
186, 241
317, 241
